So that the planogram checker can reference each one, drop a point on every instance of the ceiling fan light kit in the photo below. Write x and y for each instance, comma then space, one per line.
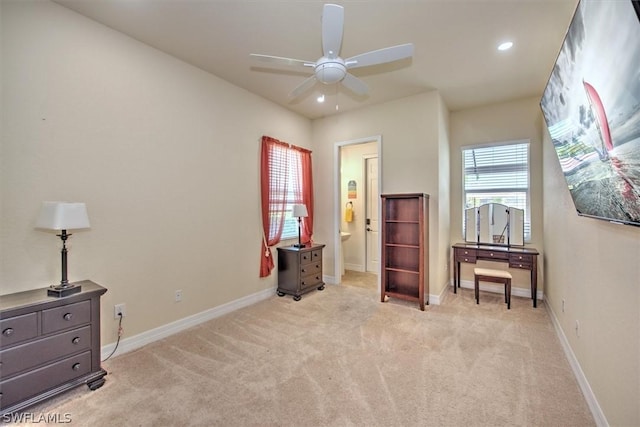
331, 68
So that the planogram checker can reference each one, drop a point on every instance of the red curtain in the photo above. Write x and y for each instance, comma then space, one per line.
306, 194
274, 180
275, 164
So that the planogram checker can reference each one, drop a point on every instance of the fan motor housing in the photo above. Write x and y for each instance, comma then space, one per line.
329, 71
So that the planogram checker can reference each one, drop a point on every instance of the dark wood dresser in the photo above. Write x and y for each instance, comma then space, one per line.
299, 270
48, 345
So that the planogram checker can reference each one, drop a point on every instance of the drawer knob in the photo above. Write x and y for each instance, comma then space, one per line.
68, 316
303, 270
76, 340
76, 367
7, 332
519, 265
491, 254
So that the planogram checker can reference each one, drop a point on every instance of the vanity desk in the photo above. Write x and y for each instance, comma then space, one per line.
523, 258
495, 232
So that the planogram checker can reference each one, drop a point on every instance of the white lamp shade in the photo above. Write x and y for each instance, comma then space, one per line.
299, 211
63, 216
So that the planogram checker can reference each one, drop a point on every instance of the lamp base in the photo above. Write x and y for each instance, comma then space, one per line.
60, 291
299, 245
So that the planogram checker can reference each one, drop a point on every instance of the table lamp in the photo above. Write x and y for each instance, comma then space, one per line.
299, 211
63, 216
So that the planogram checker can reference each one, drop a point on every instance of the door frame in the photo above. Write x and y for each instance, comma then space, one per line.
337, 217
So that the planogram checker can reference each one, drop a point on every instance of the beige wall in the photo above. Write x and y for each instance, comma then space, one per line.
409, 163
165, 155
517, 120
594, 266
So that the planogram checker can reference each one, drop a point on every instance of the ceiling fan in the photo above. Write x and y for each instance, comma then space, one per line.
331, 68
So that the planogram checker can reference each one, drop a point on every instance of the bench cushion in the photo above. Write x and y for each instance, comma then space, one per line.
494, 273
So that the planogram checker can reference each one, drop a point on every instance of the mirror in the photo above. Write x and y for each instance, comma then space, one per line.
516, 226
471, 225
494, 224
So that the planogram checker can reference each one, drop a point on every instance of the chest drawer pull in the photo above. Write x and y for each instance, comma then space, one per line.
7, 332
76, 340
68, 316
76, 367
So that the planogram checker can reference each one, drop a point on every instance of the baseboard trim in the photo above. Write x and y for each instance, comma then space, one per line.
147, 337
499, 289
592, 402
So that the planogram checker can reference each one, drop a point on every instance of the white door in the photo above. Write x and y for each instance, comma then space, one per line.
373, 199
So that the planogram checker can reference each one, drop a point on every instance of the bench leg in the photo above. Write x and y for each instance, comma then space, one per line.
507, 287
477, 289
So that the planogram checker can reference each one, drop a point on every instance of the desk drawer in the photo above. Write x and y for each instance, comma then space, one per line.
65, 317
30, 355
465, 255
521, 261
18, 328
489, 254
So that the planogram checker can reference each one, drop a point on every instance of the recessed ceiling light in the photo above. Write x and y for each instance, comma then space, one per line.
505, 46
321, 98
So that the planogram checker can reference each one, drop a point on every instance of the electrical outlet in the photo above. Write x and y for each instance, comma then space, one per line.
577, 328
119, 309
563, 305
179, 295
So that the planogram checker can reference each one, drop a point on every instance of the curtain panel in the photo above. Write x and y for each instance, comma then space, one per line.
285, 178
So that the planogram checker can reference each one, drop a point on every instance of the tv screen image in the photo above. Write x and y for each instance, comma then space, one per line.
591, 106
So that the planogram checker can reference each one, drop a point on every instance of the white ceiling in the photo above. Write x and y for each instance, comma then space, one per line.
455, 44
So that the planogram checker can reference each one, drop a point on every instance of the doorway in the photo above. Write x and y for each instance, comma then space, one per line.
357, 188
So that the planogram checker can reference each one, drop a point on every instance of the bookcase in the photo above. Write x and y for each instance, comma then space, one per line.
405, 247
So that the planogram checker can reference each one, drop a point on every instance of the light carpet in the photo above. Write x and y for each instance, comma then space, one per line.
340, 357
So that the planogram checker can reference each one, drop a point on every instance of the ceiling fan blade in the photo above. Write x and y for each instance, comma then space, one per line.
307, 84
332, 28
278, 60
380, 56
354, 84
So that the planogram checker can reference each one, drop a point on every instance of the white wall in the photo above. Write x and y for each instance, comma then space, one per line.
510, 121
165, 155
594, 266
409, 163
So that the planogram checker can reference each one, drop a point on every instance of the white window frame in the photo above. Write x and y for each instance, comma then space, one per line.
497, 191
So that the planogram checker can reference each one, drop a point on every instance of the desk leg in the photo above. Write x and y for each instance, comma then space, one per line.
456, 276
534, 281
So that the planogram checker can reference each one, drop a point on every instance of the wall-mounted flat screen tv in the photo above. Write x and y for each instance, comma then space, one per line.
591, 106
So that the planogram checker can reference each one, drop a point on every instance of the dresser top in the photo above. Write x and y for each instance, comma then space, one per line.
307, 247
39, 296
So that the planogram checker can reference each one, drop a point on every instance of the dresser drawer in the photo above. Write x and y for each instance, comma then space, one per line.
310, 280
68, 316
489, 254
18, 328
521, 261
311, 268
45, 378
465, 255
30, 355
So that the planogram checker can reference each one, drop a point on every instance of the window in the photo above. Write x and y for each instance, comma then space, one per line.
498, 173
288, 167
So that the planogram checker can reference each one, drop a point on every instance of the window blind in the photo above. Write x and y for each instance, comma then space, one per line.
497, 174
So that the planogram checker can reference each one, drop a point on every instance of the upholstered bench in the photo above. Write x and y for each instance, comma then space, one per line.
494, 276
